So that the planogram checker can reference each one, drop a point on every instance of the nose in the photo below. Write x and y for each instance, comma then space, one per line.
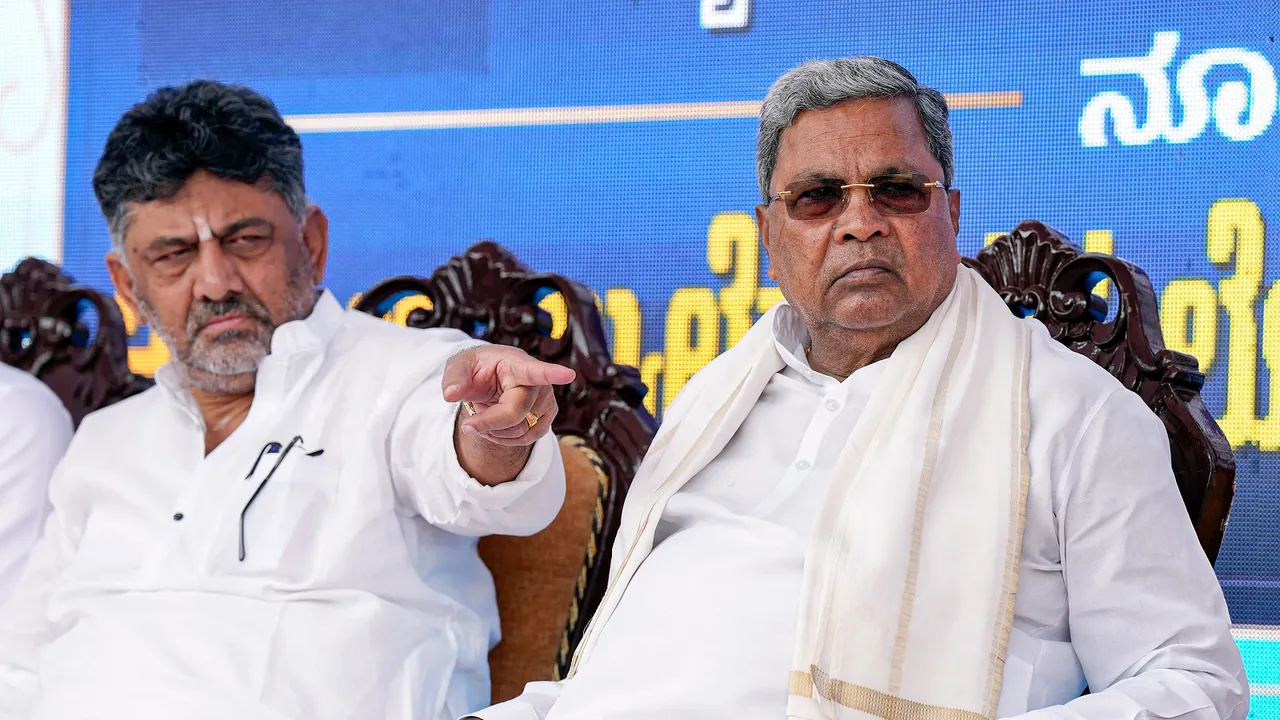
216, 273
860, 221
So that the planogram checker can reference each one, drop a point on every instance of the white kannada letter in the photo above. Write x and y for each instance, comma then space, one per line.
1151, 69
725, 14
1233, 99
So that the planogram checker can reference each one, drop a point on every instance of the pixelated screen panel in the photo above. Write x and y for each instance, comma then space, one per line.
614, 142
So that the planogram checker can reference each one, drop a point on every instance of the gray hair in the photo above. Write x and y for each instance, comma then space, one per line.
821, 84
230, 131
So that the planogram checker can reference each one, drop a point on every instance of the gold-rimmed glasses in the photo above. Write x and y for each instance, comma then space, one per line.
819, 199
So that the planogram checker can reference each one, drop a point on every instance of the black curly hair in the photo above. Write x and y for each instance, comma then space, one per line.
228, 130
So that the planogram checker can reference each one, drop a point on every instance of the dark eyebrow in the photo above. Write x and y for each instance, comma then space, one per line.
161, 244
894, 170
808, 175
245, 224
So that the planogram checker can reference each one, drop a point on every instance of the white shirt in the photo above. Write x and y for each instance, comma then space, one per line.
34, 431
361, 595
1113, 586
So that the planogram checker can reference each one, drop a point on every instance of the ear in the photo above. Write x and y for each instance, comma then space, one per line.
762, 223
953, 203
122, 279
315, 235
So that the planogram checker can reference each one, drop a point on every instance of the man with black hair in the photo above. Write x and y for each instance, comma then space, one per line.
284, 527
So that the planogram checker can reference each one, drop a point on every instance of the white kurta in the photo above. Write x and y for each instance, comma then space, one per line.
34, 431
1114, 588
360, 595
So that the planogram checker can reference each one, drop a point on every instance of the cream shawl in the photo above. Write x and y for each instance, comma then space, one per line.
912, 567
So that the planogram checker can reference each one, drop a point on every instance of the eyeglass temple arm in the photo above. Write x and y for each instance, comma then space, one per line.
245, 510
271, 446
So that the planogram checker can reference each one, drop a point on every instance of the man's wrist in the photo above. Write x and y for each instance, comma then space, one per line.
488, 462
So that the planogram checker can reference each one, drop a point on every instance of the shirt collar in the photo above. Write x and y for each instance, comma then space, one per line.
791, 337
312, 332
297, 336
172, 378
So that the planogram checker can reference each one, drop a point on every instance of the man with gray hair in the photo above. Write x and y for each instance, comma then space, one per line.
892, 498
285, 526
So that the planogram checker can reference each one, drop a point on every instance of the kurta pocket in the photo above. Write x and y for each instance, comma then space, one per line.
281, 530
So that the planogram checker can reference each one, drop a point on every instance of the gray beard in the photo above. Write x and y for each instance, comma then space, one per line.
228, 363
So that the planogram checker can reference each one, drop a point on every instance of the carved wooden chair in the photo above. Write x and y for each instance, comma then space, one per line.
48, 328
550, 584
1039, 272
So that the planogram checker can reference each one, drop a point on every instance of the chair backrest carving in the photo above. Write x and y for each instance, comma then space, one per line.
1039, 272
489, 294
44, 330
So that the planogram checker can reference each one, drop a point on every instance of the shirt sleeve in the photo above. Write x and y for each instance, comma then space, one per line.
430, 480
1147, 617
24, 623
34, 432
533, 704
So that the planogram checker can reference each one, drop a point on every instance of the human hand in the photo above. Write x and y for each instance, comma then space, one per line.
511, 393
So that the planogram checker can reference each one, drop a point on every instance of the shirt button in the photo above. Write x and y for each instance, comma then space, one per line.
832, 405
177, 517
802, 465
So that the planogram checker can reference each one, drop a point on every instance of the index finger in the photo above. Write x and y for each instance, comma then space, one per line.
531, 372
